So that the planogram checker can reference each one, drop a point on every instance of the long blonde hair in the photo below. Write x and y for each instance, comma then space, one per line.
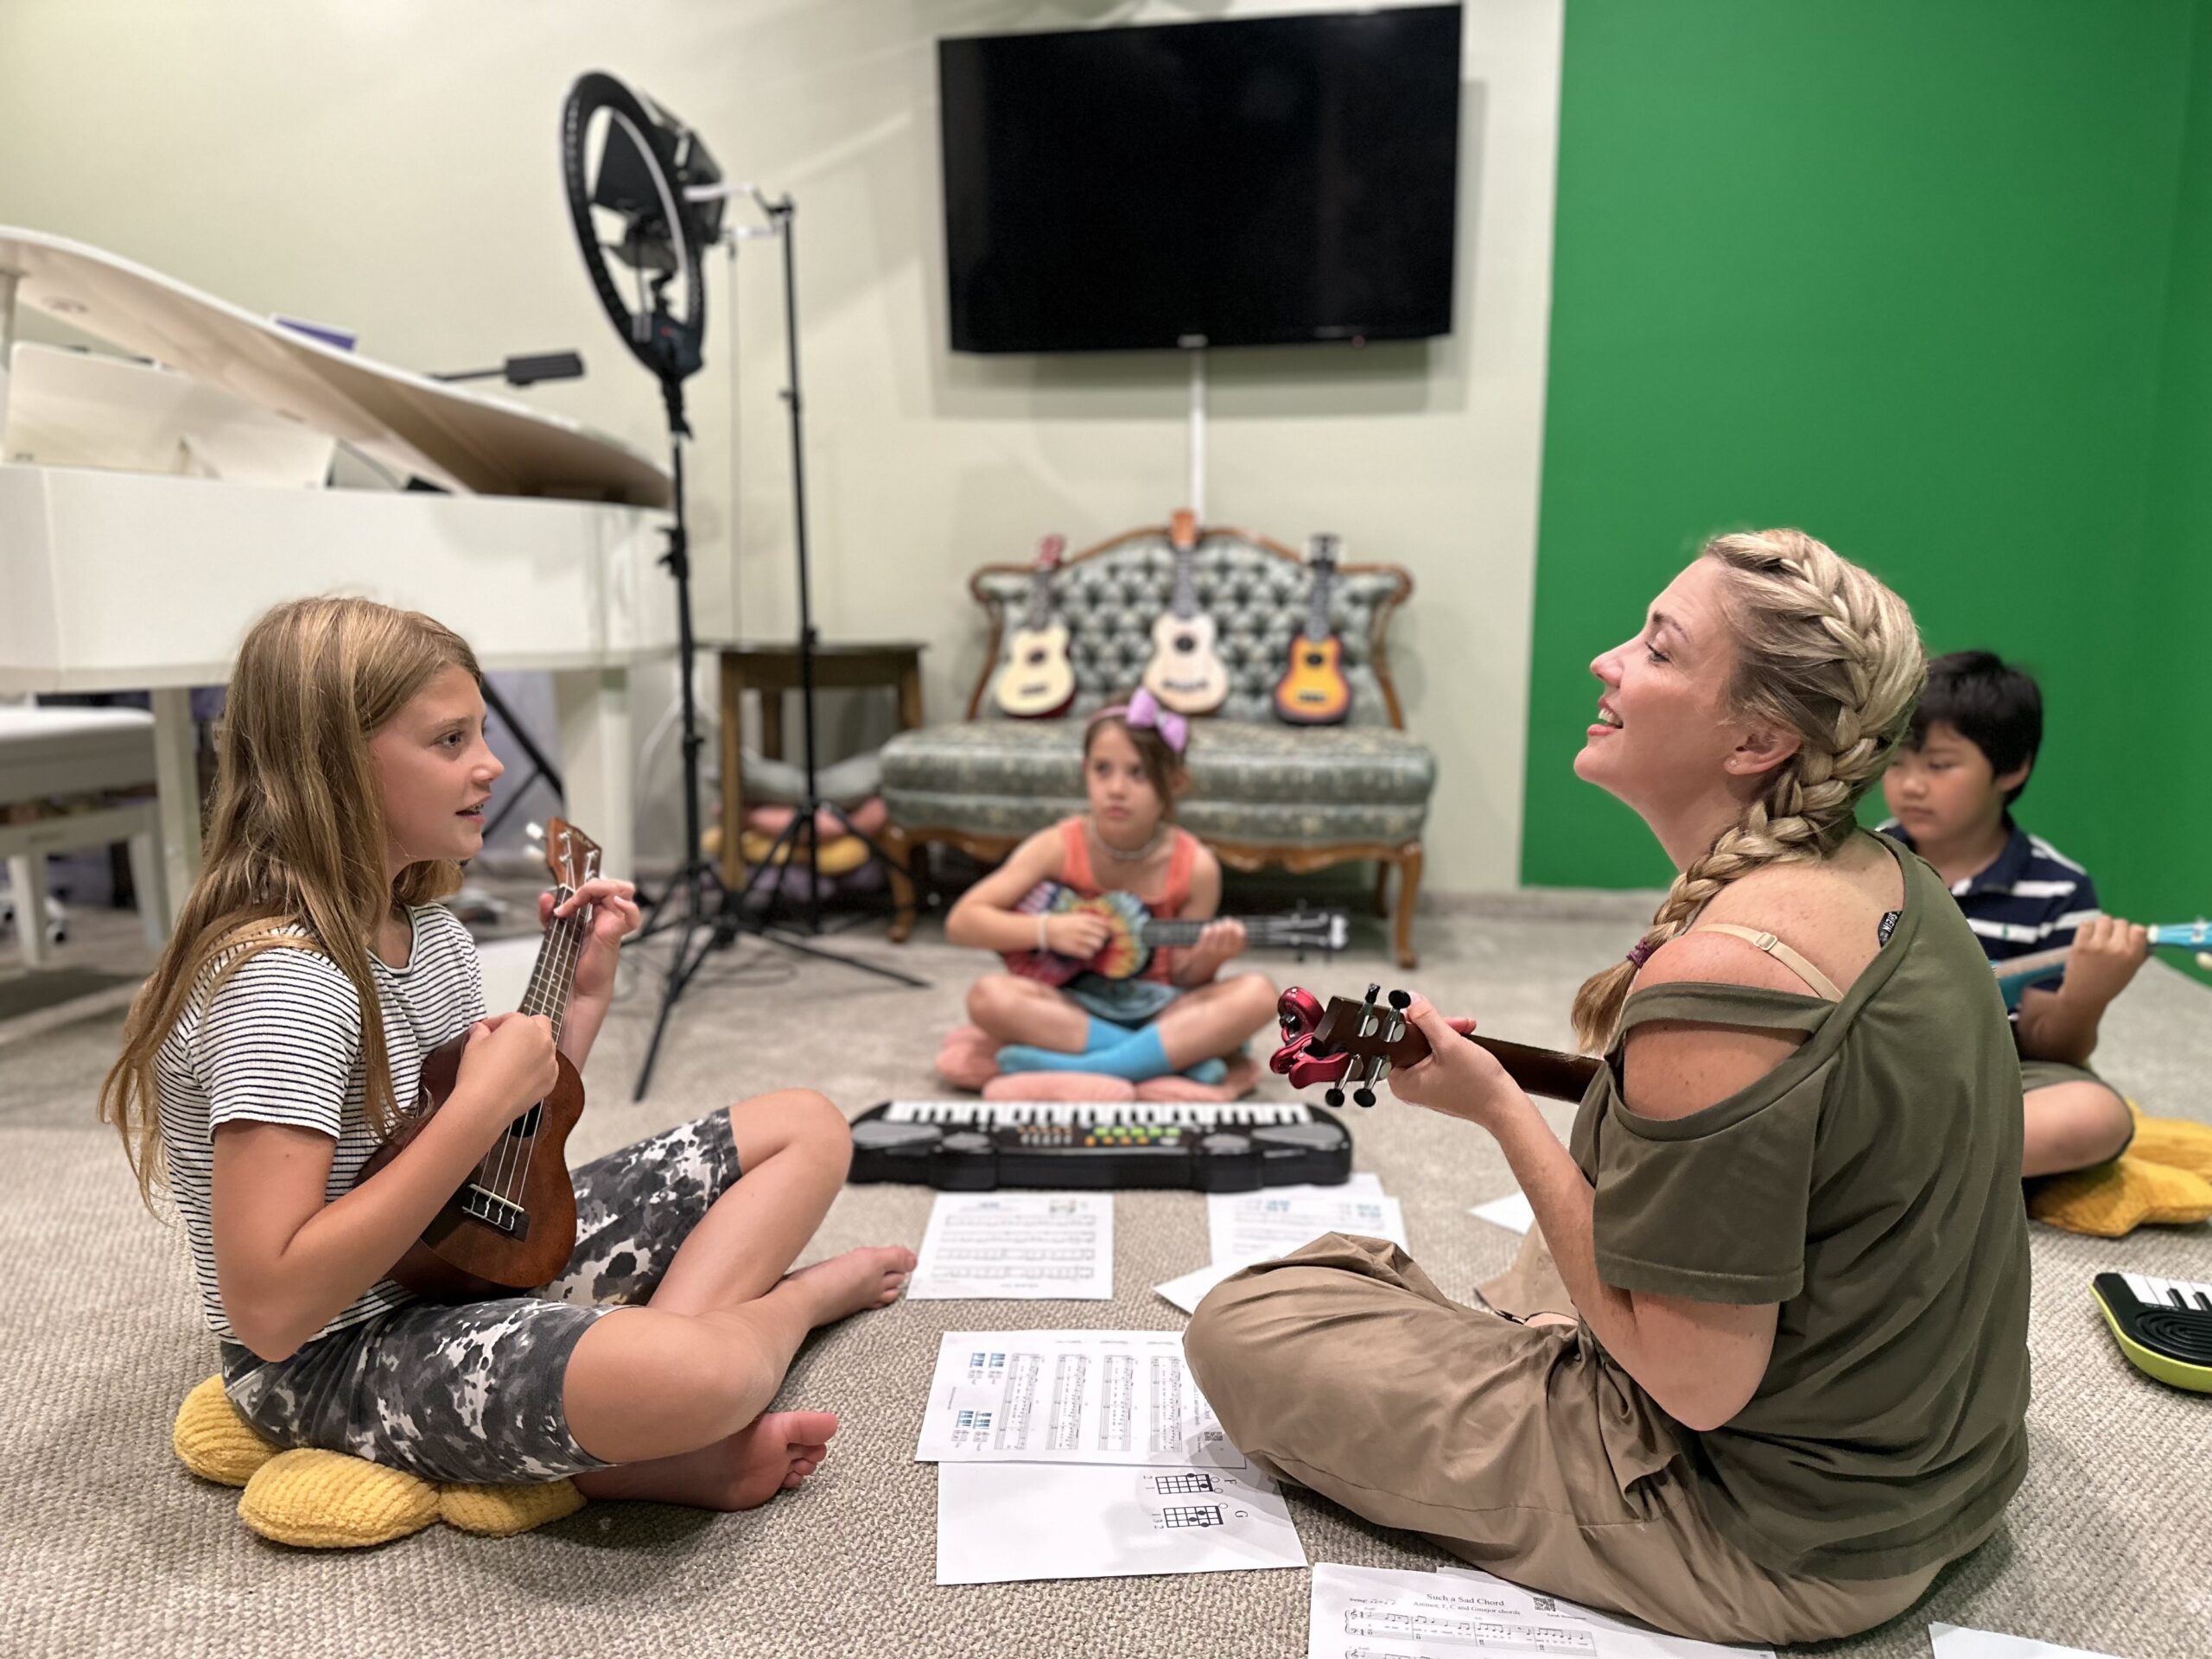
295, 834
1824, 651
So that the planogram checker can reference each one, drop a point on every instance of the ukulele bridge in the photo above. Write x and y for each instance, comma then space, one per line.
503, 1214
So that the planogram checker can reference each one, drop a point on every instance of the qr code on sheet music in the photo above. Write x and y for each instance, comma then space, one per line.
1546, 1604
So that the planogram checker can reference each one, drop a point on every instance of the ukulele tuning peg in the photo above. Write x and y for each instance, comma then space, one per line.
1364, 1096
537, 834
1335, 1099
1402, 1000
1373, 991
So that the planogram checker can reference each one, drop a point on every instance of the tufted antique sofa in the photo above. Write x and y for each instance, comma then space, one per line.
1261, 792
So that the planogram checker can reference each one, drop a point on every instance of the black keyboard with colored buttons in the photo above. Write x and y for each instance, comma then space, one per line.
974, 1146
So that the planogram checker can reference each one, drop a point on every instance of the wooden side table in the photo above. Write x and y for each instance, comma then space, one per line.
771, 670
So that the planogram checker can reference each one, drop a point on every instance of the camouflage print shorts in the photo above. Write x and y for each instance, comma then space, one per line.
474, 1392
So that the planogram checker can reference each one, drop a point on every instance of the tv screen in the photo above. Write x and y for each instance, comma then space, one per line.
1253, 182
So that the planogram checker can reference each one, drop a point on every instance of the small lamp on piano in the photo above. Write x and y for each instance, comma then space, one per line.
526, 371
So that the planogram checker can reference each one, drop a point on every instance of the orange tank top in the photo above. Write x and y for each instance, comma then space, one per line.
1076, 872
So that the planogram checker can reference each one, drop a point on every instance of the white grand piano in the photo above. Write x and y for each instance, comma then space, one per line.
543, 555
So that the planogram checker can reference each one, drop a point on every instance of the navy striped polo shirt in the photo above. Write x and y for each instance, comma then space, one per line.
2030, 897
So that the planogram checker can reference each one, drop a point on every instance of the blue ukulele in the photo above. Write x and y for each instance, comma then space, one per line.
2015, 975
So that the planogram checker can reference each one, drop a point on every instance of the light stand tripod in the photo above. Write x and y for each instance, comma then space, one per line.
737, 913
657, 180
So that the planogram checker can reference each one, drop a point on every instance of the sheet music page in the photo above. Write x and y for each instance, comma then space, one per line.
1512, 1212
1248, 1227
1242, 1235
1029, 1246
1956, 1641
1362, 1613
1615, 1638
1371, 1612
1069, 1396
997, 1522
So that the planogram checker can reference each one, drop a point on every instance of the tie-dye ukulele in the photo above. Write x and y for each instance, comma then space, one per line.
1132, 933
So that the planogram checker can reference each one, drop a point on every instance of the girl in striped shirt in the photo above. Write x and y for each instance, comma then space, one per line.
268, 1054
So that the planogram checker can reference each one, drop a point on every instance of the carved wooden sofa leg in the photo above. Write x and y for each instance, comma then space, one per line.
899, 852
1408, 890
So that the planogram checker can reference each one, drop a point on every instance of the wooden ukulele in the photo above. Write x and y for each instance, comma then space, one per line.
1312, 691
2016, 974
512, 1225
1185, 673
1359, 1042
1134, 933
1036, 681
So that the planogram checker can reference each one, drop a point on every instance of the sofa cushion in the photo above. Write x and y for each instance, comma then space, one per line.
1250, 782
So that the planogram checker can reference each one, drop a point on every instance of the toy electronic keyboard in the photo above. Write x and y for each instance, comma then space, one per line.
974, 1146
2163, 1326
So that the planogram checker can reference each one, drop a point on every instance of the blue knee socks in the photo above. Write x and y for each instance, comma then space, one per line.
1111, 1051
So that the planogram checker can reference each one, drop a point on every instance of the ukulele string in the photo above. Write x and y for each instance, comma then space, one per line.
572, 925
503, 1185
493, 1172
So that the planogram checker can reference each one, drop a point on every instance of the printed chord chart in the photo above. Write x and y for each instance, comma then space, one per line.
1170, 1485
1190, 1515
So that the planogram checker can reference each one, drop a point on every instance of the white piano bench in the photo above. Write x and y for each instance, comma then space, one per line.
49, 753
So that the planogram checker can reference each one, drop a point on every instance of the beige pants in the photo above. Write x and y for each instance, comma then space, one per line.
1520, 1448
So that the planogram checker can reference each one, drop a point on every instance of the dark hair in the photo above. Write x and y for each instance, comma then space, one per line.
1163, 768
1988, 701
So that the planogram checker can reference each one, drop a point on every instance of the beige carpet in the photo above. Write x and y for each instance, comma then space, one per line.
107, 1545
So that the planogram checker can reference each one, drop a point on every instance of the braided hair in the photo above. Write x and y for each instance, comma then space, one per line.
1822, 649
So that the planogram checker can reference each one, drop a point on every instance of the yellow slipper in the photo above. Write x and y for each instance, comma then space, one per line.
314, 1499
2176, 1142
213, 1442
325, 1500
2115, 1199
503, 1511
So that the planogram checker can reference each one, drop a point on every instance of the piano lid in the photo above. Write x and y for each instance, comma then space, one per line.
465, 440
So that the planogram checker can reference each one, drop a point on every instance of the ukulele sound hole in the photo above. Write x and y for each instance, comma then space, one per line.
525, 1126
1186, 642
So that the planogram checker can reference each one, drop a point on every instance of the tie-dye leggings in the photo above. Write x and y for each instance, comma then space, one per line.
473, 1393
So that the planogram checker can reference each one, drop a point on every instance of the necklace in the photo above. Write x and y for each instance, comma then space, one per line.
1115, 852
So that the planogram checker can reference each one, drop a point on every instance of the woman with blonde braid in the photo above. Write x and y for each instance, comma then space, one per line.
1762, 1370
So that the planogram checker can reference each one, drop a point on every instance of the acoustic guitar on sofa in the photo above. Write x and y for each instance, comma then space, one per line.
1132, 933
1185, 673
1312, 691
1036, 681
2016, 974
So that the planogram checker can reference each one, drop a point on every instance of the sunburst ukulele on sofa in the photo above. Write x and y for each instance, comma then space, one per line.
1312, 691
1036, 681
1185, 673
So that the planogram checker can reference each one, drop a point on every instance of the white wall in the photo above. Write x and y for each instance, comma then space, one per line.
393, 167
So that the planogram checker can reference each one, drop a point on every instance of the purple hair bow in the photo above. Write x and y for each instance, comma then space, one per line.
1143, 712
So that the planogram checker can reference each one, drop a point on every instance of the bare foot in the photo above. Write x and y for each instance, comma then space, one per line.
772, 1453
869, 1277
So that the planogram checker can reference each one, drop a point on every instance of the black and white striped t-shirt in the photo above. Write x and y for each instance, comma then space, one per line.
281, 1043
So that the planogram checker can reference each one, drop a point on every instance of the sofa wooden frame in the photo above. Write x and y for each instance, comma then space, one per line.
900, 840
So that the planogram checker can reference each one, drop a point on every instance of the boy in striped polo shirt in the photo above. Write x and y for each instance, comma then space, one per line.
1971, 746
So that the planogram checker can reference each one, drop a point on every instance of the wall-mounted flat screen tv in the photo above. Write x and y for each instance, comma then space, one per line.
1252, 182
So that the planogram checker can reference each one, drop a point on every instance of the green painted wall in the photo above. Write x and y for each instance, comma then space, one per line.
2169, 874
1901, 272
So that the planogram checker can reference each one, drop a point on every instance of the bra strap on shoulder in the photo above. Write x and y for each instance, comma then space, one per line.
1761, 939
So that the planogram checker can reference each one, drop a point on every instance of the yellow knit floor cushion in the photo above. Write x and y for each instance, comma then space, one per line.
2115, 1199
326, 1500
2174, 1141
